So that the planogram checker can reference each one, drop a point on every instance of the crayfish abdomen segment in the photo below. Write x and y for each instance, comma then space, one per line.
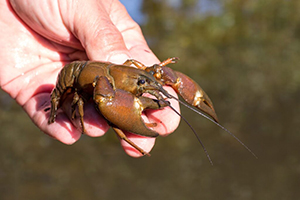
64, 86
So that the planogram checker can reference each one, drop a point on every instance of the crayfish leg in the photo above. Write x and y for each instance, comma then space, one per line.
81, 113
151, 125
122, 135
168, 61
79, 102
74, 104
54, 105
136, 63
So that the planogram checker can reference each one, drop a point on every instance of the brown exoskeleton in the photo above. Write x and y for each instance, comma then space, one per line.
118, 89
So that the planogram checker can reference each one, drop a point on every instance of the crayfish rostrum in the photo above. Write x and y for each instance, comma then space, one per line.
118, 89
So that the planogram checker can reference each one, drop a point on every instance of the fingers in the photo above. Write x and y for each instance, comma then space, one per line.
97, 33
35, 99
166, 119
94, 124
62, 130
145, 143
106, 32
45, 18
116, 37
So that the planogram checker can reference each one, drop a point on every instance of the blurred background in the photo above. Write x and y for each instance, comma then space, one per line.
245, 54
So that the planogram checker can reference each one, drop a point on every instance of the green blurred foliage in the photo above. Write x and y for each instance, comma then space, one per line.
246, 57
245, 54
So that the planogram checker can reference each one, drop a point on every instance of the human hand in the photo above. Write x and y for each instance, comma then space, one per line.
39, 37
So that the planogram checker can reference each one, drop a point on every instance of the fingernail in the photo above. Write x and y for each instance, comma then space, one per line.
118, 58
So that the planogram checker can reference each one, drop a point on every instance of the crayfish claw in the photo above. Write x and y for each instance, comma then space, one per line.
208, 109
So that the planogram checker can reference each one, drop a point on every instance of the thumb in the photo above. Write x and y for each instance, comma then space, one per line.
98, 35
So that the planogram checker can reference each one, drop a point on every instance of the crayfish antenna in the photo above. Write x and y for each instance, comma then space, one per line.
191, 127
213, 121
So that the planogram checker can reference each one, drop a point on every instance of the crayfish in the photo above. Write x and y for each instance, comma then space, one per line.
118, 89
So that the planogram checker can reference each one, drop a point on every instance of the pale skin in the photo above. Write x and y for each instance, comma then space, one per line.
39, 37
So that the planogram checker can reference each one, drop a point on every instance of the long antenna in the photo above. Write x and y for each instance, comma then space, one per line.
205, 116
195, 133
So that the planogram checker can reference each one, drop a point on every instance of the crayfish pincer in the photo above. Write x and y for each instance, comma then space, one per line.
118, 89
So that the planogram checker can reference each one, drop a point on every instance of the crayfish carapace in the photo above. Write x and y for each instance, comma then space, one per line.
118, 89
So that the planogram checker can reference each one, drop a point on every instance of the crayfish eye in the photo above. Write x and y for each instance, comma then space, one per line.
141, 81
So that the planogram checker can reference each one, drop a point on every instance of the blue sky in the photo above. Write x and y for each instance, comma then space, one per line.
204, 7
134, 9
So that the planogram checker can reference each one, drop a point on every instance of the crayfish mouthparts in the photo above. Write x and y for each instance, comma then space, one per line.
118, 89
